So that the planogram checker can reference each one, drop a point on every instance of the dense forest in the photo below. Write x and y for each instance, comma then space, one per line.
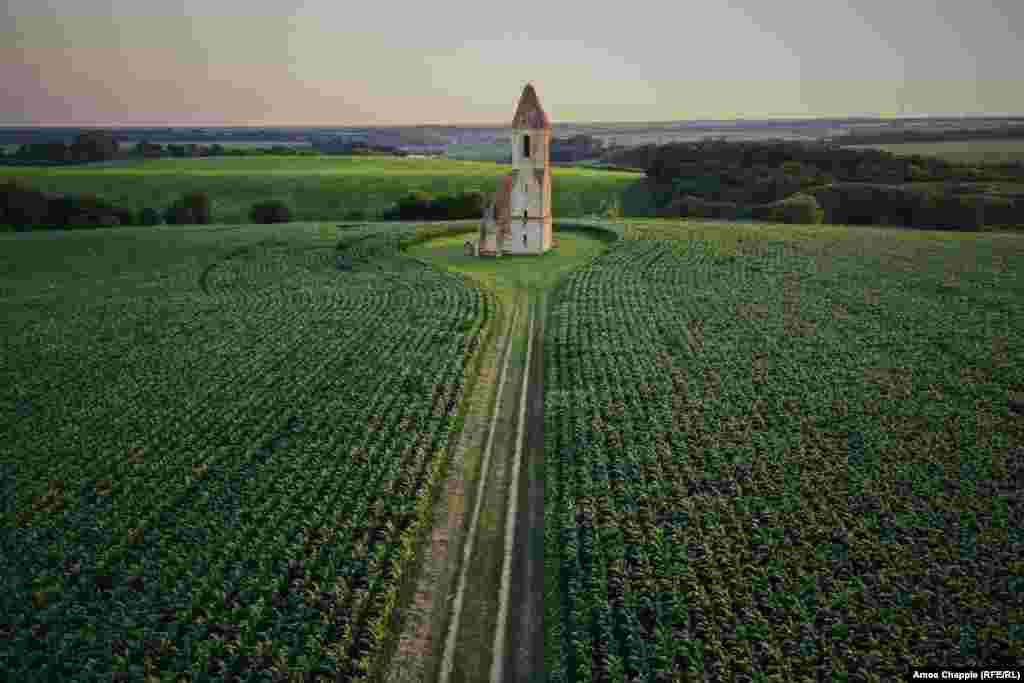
716, 178
911, 135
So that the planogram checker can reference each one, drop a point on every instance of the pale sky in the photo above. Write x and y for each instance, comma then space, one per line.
387, 62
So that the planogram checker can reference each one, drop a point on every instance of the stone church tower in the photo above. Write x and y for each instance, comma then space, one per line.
518, 219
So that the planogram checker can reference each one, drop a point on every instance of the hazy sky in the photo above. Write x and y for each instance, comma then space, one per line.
336, 63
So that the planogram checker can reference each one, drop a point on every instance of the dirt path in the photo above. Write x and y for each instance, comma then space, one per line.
425, 622
478, 610
525, 642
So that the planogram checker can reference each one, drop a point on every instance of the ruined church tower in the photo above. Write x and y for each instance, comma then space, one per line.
518, 218
531, 186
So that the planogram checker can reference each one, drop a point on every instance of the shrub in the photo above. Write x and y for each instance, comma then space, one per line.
701, 208
177, 214
94, 145
422, 206
198, 203
461, 206
415, 205
800, 208
792, 168
149, 216
82, 220
61, 209
22, 207
270, 211
1003, 211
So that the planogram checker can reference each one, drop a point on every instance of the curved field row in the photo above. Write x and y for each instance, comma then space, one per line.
754, 469
230, 479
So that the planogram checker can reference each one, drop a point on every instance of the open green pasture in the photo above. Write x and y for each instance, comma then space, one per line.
960, 151
780, 452
317, 188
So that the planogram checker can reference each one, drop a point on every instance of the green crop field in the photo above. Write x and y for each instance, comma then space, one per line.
770, 449
317, 188
960, 152
219, 442
781, 453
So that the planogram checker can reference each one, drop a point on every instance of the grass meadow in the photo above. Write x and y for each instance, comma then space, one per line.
509, 275
316, 188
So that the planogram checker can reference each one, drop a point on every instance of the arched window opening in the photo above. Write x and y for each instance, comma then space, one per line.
526, 146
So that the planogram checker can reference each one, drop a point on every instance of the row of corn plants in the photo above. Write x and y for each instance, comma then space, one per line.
733, 490
240, 497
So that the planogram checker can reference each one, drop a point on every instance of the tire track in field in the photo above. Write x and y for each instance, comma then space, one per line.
448, 655
520, 654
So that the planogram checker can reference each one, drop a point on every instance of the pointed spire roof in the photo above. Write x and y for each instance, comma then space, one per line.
529, 113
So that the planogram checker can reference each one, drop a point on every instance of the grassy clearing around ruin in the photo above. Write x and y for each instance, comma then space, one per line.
509, 275
315, 187
785, 450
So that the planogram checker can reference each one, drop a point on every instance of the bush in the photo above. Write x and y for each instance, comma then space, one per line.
149, 216
61, 210
422, 206
1003, 211
416, 205
800, 208
192, 209
462, 206
25, 208
177, 214
270, 211
94, 145
701, 208
82, 220
21, 206
198, 203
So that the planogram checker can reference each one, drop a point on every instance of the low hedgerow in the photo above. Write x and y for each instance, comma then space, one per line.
192, 209
270, 211
149, 216
424, 206
691, 206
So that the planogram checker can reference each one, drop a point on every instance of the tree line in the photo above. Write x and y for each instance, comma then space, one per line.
23, 208
957, 135
716, 178
95, 145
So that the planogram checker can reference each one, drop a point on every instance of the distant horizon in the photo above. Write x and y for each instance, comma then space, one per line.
746, 119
